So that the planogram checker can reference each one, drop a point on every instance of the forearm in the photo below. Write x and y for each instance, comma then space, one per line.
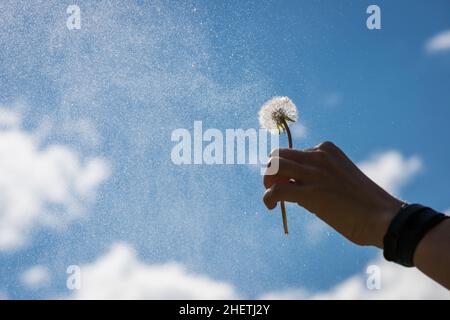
432, 255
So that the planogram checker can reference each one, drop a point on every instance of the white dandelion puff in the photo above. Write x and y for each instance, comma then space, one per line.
277, 111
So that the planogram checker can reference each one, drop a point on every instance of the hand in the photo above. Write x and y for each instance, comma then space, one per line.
327, 183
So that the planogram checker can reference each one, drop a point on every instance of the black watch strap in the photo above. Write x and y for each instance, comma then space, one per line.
406, 230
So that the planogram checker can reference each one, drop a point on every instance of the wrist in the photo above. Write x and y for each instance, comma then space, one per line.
384, 217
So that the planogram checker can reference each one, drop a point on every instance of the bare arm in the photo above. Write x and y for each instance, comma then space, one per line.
432, 255
327, 183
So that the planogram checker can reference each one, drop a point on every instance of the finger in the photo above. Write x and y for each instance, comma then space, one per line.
286, 170
301, 156
291, 192
270, 180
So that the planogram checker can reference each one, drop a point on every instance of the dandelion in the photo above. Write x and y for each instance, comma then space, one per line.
274, 116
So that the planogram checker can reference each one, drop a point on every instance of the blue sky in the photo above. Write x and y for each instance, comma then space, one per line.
109, 95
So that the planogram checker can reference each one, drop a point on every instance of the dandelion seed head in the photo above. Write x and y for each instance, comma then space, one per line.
274, 111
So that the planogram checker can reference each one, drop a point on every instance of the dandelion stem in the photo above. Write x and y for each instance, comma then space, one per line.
283, 208
288, 132
283, 215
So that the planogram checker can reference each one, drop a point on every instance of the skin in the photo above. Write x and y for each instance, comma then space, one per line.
327, 183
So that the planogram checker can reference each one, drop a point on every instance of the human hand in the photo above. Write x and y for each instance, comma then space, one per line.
327, 183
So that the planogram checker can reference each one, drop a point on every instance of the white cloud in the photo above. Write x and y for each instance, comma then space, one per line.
40, 185
36, 277
439, 43
120, 275
391, 170
397, 282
